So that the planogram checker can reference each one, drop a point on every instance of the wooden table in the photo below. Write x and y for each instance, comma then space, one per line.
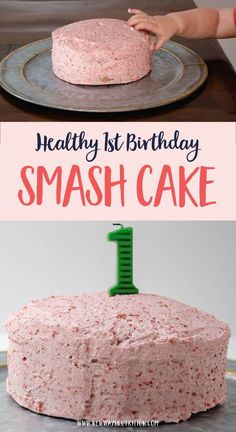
24, 21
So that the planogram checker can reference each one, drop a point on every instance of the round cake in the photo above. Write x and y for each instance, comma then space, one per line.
132, 357
100, 52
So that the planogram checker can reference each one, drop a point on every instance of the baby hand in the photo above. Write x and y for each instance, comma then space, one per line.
163, 27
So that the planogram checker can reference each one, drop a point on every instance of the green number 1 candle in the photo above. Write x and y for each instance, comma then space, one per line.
124, 239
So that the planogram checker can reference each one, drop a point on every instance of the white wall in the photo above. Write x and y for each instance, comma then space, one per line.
228, 45
193, 262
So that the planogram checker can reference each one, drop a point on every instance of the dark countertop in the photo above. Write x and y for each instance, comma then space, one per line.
23, 21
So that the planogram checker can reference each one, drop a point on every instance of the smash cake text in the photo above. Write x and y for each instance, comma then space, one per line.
101, 186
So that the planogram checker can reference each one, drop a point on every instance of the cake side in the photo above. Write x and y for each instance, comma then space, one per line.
137, 357
99, 52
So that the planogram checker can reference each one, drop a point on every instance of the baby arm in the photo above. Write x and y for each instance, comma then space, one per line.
205, 23
195, 24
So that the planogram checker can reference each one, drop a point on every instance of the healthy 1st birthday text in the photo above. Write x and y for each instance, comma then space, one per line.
100, 185
108, 142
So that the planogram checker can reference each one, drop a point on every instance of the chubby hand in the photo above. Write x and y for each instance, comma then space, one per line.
163, 27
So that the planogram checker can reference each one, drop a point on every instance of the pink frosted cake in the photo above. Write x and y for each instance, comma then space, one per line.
100, 51
134, 357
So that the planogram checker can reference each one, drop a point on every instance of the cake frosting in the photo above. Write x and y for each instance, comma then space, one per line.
135, 357
100, 52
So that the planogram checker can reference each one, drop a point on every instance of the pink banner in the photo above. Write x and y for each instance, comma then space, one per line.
117, 171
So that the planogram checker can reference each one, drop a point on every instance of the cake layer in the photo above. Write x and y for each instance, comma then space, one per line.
134, 357
100, 52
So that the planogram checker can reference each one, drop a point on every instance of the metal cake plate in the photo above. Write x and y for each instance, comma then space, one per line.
13, 418
176, 73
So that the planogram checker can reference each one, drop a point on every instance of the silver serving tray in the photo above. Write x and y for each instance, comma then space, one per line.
13, 418
176, 73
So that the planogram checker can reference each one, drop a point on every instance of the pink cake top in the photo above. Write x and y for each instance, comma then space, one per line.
112, 34
128, 319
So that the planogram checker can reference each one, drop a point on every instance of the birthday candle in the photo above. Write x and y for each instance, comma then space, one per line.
124, 238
